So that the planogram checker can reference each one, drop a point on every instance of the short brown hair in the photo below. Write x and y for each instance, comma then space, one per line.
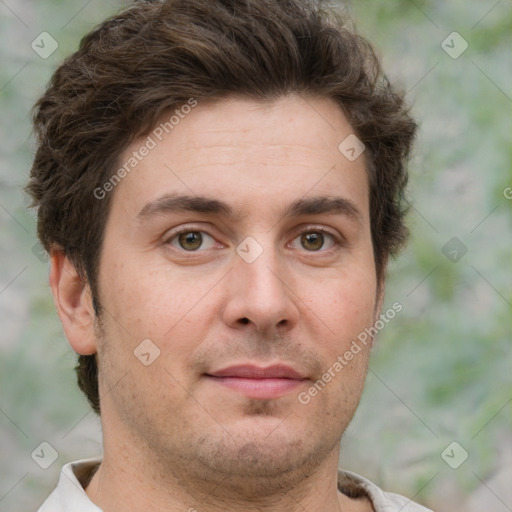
155, 56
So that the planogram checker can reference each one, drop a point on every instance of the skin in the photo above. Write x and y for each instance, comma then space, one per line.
175, 439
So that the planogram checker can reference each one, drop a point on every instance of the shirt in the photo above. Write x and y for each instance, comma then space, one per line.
70, 496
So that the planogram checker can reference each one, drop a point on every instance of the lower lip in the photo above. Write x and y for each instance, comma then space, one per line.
259, 388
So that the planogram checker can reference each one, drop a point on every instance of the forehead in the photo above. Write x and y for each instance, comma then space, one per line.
242, 150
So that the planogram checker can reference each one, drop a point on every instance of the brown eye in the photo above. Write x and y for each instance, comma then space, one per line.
315, 239
190, 240
312, 241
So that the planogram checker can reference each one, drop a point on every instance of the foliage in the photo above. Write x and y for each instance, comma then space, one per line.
441, 369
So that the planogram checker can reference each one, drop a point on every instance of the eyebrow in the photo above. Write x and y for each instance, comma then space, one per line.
172, 203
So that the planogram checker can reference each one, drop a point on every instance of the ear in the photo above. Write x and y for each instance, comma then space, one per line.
73, 299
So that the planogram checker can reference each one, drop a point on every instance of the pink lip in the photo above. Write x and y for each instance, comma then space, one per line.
248, 371
257, 382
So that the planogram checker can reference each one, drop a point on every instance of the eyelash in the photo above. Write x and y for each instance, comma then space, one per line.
337, 240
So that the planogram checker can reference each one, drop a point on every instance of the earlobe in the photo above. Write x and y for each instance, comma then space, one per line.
73, 299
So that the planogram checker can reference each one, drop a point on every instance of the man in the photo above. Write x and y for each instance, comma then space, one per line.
218, 184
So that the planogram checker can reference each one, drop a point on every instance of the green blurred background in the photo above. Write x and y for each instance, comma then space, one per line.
442, 368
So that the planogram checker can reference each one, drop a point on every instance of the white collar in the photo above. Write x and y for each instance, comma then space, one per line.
70, 496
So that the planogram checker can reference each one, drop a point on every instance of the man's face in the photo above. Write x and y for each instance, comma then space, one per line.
243, 326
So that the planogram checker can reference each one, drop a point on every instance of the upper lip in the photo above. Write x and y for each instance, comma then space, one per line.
249, 371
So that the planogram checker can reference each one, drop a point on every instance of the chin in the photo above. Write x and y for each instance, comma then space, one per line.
263, 454
257, 469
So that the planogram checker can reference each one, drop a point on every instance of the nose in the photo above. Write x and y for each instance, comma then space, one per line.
261, 295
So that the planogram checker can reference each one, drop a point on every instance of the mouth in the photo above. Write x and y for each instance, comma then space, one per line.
258, 382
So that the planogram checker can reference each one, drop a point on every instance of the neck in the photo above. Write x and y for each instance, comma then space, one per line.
124, 482
137, 475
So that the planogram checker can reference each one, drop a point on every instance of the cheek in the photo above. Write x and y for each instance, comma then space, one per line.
346, 304
162, 305
156, 298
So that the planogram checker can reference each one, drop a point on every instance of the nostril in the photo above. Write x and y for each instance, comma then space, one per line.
244, 320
